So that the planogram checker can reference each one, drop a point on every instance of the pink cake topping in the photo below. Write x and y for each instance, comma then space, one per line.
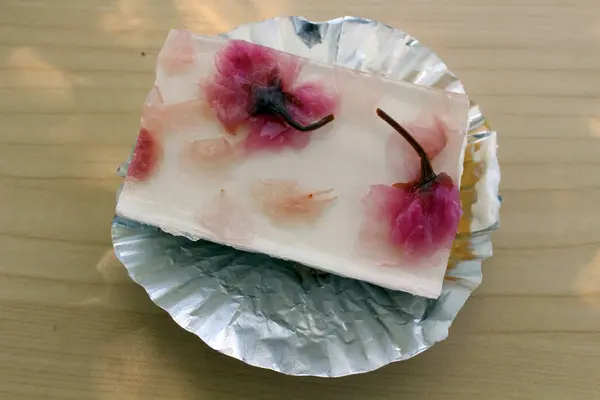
256, 87
419, 216
146, 156
284, 201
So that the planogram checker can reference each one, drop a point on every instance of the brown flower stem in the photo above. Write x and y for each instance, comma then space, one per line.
272, 100
427, 173
281, 110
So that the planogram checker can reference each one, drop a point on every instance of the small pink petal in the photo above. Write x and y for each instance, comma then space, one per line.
384, 202
403, 159
283, 201
154, 97
431, 129
209, 151
227, 220
269, 133
151, 120
246, 61
289, 67
229, 102
178, 51
380, 206
313, 101
163, 118
146, 156
270, 130
183, 115
441, 112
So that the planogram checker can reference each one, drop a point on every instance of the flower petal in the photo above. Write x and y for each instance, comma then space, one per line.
151, 119
145, 157
402, 158
429, 218
383, 202
241, 65
312, 101
227, 220
251, 62
289, 68
161, 118
209, 151
178, 52
284, 201
228, 100
381, 206
270, 133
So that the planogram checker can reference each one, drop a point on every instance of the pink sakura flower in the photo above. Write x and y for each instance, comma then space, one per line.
255, 87
419, 216
432, 139
178, 52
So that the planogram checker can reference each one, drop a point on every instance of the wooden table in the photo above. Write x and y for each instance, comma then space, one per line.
73, 74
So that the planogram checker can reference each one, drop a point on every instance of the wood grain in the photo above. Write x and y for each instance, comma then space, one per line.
73, 326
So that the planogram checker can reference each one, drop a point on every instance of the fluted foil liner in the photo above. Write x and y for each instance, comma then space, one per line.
293, 319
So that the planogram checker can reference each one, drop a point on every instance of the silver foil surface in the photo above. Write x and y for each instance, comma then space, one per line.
289, 318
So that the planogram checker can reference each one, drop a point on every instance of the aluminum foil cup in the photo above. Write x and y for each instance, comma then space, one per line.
289, 318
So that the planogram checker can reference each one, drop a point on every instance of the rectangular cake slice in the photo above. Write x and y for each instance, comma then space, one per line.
238, 146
